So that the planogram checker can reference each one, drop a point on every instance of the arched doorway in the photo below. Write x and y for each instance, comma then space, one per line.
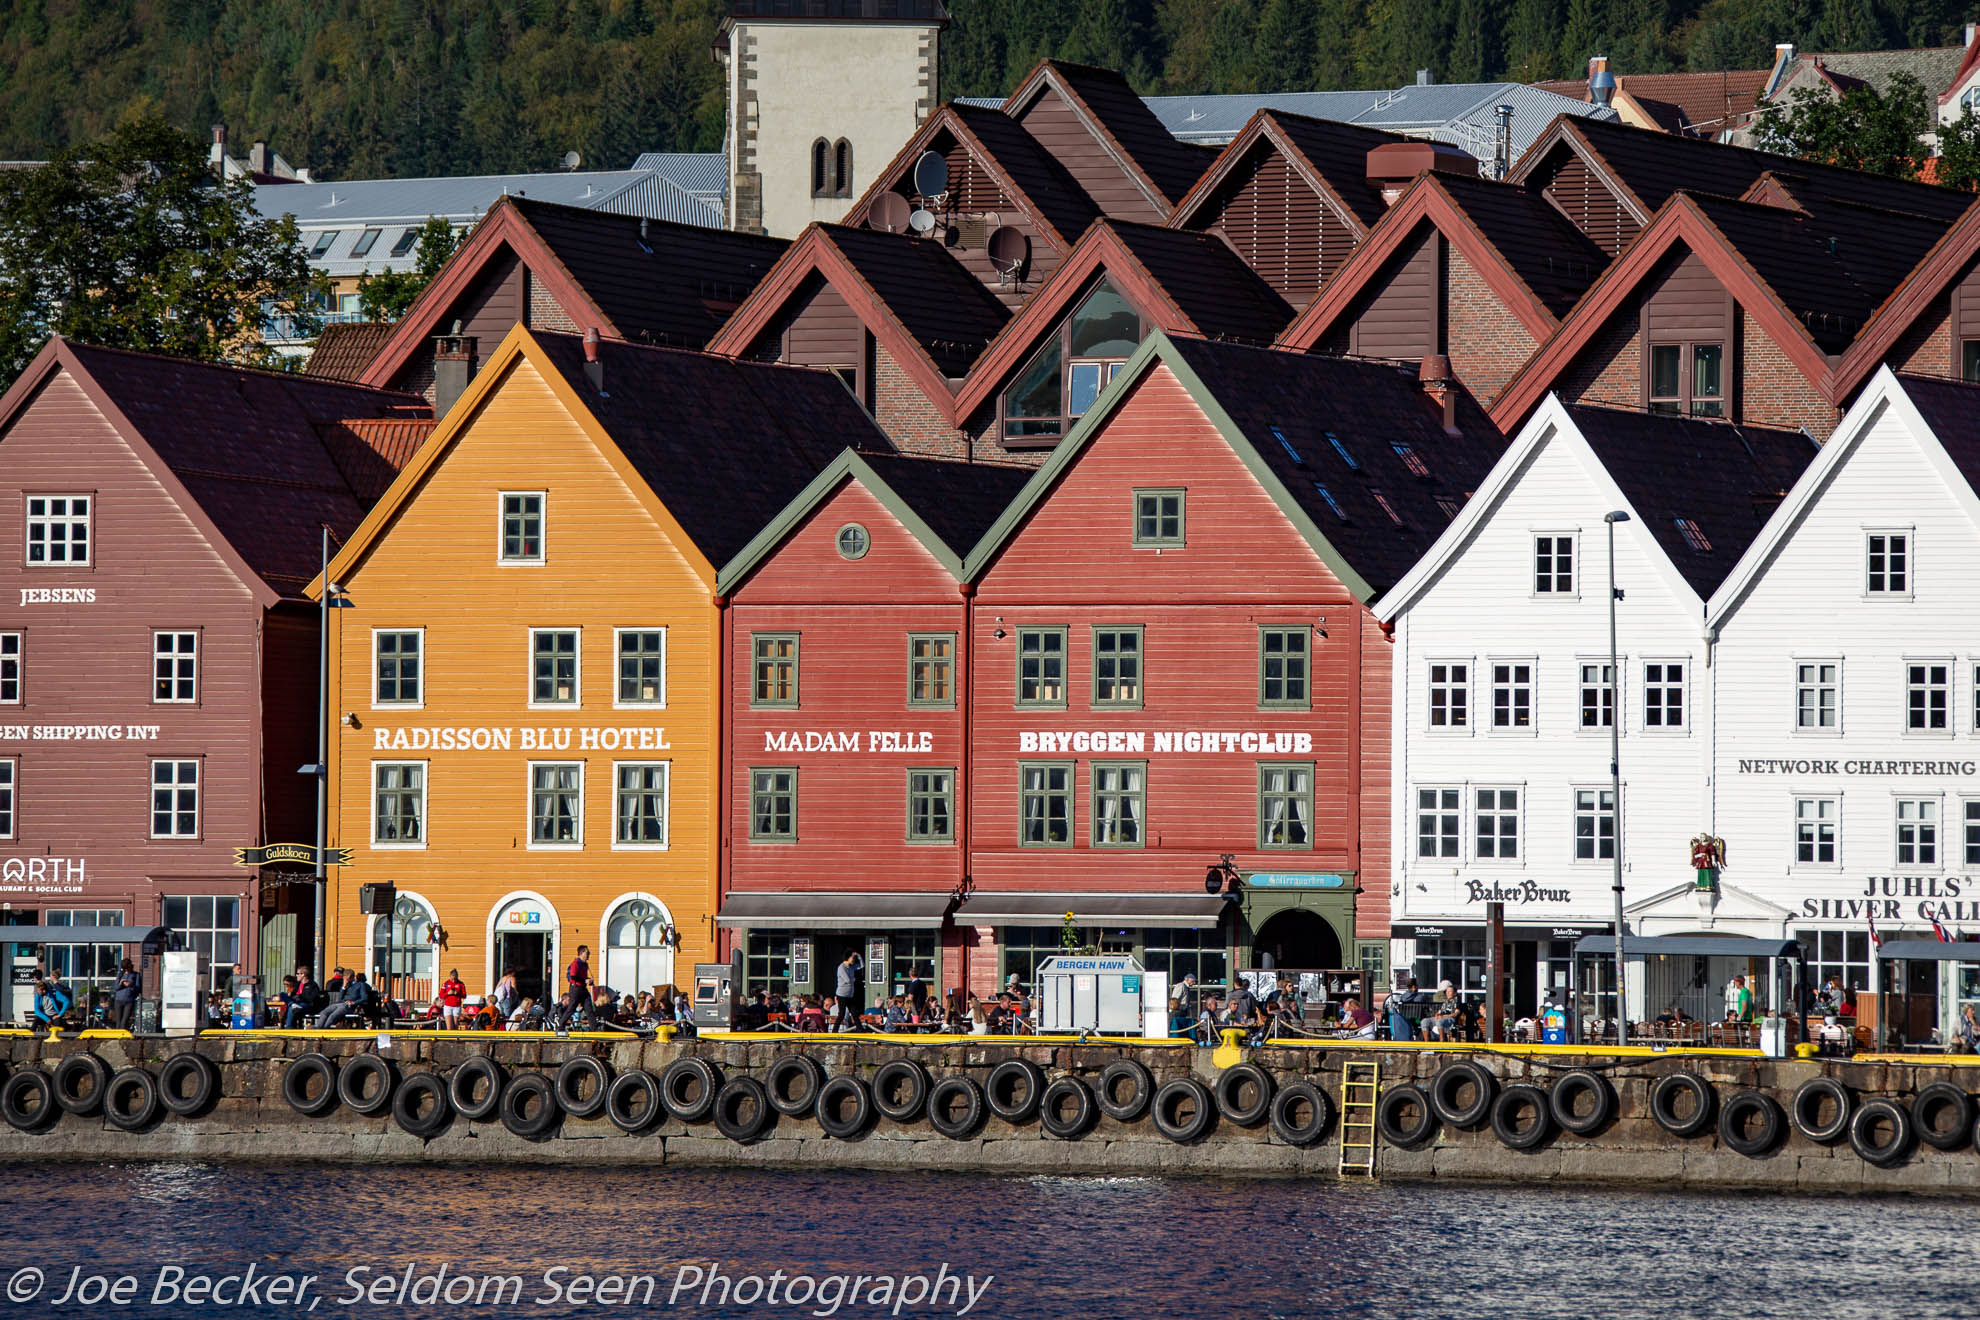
1296, 938
407, 935
635, 952
523, 937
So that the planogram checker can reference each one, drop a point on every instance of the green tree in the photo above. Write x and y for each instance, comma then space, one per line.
1287, 36
1863, 129
387, 295
1959, 153
132, 242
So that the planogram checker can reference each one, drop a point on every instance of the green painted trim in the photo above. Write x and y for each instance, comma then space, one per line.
756, 770
931, 703
1065, 669
1140, 797
1284, 703
1094, 699
1265, 768
931, 840
1071, 795
1176, 542
756, 640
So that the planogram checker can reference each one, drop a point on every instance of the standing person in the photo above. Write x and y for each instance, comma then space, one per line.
508, 994
453, 994
1182, 1003
1739, 1001
846, 984
124, 996
579, 976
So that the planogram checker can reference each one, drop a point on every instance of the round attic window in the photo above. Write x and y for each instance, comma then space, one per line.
854, 542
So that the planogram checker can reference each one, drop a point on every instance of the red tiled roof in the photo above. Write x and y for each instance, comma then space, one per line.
343, 351
1697, 104
370, 451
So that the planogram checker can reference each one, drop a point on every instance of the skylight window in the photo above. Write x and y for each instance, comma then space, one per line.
407, 237
323, 241
1332, 503
1341, 449
1387, 507
1693, 535
1448, 507
1287, 445
1411, 459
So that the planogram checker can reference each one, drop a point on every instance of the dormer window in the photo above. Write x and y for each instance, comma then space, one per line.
1687, 380
1064, 378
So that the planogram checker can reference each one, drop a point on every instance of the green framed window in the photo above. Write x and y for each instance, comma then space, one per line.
1158, 517
774, 676
1023, 948
553, 667
1181, 952
642, 807
1285, 805
1041, 667
1284, 668
1117, 666
911, 956
773, 804
396, 662
522, 527
642, 667
931, 669
931, 806
1120, 801
767, 963
1045, 809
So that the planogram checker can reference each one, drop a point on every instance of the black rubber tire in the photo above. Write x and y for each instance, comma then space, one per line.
475, 1088
130, 1100
79, 1083
1942, 1115
1564, 1100
1664, 1098
1751, 1124
1865, 1121
1068, 1110
406, 1101
633, 1103
188, 1084
27, 1100
1806, 1108
1014, 1089
1125, 1090
793, 1082
366, 1084
1168, 1110
1451, 1082
1389, 1109
296, 1085
956, 1108
845, 1106
1301, 1114
571, 1079
688, 1088
742, 1110
900, 1090
1506, 1111
519, 1117
1244, 1094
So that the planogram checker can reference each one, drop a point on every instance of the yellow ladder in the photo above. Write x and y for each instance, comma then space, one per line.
1359, 1084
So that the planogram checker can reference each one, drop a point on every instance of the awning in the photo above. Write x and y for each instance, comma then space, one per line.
839, 911
1931, 950
153, 938
1691, 946
1186, 910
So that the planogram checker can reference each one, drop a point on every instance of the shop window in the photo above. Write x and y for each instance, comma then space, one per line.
174, 799
1282, 668
1844, 953
1439, 817
1285, 806
1815, 822
1663, 694
1688, 379
773, 805
1459, 961
931, 669
1158, 518
641, 815
174, 667
1887, 563
1065, 376
1041, 667
1553, 565
1927, 697
409, 929
1024, 947
642, 666
931, 806
1598, 696
553, 667
774, 681
1117, 666
1450, 695
766, 964
10, 669
637, 955
1594, 824
1512, 694
209, 926
522, 527
58, 529
399, 803
1119, 800
556, 804
83, 966
1817, 694
396, 658
1181, 952
1495, 824
1917, 831
1045, 809
8, 771
911, 957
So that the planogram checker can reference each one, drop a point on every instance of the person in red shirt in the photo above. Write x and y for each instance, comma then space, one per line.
452, 995
579, 975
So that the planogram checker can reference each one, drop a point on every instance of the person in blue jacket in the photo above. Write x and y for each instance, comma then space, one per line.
51, 1001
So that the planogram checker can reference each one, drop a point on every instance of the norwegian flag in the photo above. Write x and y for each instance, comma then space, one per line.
1940, 932
1876, 940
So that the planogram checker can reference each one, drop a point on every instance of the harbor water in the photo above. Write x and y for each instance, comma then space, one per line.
175, 1240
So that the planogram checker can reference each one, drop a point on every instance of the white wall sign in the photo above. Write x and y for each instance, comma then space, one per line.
484, 738
852, 740
42, 875
1115, 741
78, 732
1807, 766
58, 595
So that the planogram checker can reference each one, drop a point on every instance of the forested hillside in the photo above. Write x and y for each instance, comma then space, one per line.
354, 88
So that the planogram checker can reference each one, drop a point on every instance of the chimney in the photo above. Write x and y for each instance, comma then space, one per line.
1972, 30
1601, 83
1393, 166
453, 368
216, 155
1423, 78
1435, 376
594, 370
1784, 56
258, 157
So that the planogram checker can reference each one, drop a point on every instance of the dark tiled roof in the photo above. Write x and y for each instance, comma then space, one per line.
248, 445
344, 350
1725, 479
1701, 104
369, 451
1046, 184
1952, 409
1222, 297
725, 444
946, 309
676, 286
1371, 408
958, 501
1553, 258
1173, 165
1338, 153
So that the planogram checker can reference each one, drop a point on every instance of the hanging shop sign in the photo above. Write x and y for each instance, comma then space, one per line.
303, 854
495, 738
1113, 742
525, 914
1296, 880
881, 741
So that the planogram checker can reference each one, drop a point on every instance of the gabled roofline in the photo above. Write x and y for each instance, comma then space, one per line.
947, 116
1158, 350
1551, 422
1427, 199
1680, 221
518, 345
1885, 393
1264, 124
849, 466
1566, 129
1912, 298
1046, 73
814, 252
56, 355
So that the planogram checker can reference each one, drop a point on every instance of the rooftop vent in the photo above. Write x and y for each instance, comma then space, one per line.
1393, 166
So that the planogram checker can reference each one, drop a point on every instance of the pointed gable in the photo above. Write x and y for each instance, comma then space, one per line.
1106, 136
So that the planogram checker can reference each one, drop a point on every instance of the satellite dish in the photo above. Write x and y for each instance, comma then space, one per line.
1008, 249
889, 212
572, 160
921, 221
931, 175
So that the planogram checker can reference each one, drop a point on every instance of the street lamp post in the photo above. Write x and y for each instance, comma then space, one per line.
333, 599
1615, 777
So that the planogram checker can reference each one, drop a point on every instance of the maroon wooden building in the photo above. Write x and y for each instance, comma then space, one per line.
158, 661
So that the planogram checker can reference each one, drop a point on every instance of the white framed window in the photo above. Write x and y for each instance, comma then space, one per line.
9, 771
553, 667
1665, 698
1495, 825
520, 531
398, 667
1594, 824
174, 668
398, 804
1598, 694
1927, 696
1887, 562
1512, 696
556, 804
1969, 811
10, 669
175, 799
1816, 822
642, 667
1975, 676
641, 810
1554, 564
1818, 696
1450, 694
58, 529
1439, 823
1917, 822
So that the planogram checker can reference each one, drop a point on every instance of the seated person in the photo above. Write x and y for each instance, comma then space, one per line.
811, 1017
1406, 993
528, 1015
1210, 1020
1444, 1023
1357, 1021
755, 1013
